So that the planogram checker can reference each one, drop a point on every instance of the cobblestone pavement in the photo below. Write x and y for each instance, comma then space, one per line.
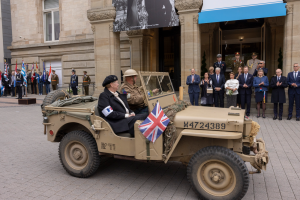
30, 167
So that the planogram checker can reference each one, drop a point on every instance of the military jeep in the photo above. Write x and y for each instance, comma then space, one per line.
214, 143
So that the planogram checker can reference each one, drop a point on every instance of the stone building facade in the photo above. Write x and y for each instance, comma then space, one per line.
86, 40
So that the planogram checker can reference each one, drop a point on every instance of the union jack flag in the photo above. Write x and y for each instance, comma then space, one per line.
155, 124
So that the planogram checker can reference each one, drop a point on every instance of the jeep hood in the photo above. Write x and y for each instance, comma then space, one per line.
210, 118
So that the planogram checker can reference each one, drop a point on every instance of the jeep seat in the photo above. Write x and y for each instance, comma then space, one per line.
118, 134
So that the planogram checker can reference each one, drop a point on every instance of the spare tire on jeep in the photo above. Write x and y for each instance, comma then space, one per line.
56, 95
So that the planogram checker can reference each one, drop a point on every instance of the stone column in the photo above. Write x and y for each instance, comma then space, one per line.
106, 42
288, 40
141, 55
190, 37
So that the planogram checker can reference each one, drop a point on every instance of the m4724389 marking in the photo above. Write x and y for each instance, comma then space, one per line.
206, 125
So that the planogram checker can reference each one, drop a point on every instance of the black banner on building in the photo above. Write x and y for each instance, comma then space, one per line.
144, 14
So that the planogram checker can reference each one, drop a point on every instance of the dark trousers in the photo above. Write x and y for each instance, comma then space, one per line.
132, 120
86, 90
142, 110
33, 88
219, 98
292, 99
194, 97
54, 87
74, 89
19, 92
40, 88
13, 91
276, 109
246, 98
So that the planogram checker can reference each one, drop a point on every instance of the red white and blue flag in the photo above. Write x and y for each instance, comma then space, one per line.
155, 124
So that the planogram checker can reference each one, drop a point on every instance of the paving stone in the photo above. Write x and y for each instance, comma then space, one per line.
30, 166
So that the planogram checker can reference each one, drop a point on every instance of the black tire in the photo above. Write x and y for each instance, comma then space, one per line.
54, 96
78, 154
213, 166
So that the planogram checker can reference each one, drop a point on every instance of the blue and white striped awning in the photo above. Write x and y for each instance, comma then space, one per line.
231, 10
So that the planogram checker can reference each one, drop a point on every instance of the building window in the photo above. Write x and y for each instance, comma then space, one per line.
51, 20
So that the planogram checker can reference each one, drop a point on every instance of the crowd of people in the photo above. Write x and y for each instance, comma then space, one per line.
14, 83
240, 86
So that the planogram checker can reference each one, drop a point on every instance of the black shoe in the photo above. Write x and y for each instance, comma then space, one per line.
280, 118
258, 116
274, 118
263, 116
289, 118
298, 119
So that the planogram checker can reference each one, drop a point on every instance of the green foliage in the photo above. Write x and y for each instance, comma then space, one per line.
280, 59
203, 65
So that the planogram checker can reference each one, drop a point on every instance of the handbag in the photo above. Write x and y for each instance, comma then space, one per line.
209, 90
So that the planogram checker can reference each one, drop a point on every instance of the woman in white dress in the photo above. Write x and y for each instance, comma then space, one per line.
231, 86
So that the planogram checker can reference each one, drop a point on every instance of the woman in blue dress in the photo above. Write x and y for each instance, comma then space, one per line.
261, 84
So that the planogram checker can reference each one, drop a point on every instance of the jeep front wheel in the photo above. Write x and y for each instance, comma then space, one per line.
218, 173
79, 154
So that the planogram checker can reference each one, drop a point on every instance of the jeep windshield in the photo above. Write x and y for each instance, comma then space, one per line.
158, 86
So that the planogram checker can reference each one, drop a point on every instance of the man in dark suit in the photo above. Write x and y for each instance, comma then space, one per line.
113, 107
246, 82
261, 65
293, 81
193, 82
278, 83
218, 81
220, 64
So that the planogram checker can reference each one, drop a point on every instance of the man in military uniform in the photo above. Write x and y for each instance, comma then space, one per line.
114, 109
86, 83
237, 63
74, 82
220, 64
54, 80
19, 83
135, 96
252, 63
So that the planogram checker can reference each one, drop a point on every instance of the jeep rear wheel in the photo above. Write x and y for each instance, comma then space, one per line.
79, 154
218, 173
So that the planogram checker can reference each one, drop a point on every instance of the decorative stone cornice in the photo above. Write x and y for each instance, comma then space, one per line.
188, 4
101, 14
289, 9
134, 32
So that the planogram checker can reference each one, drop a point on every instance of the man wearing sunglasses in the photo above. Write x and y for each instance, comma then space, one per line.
261, 65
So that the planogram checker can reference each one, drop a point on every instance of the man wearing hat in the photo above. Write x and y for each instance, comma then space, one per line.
252, 63
113, 107
19, 83
135, 96
74, 82
220, 64
54, 80
86, 83
237, 63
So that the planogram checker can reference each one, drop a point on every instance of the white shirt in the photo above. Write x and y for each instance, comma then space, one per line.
278, 78
234, 84
117, 96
